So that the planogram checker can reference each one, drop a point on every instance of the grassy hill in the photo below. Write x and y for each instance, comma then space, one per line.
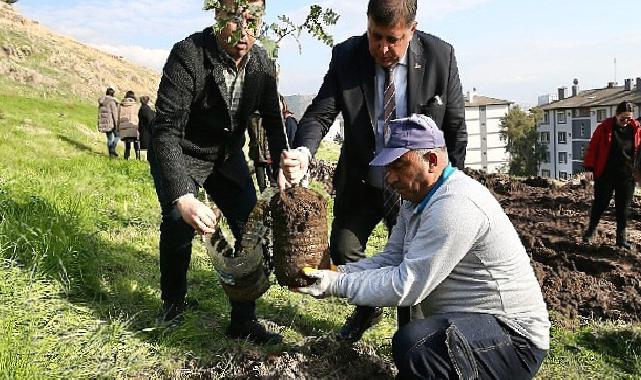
79, 282
51, 64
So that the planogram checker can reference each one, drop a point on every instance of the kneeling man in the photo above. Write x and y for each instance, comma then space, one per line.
454, 252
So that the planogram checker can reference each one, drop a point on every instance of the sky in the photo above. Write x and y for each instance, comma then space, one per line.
508, 49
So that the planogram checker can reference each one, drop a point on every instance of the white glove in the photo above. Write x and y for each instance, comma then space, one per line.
326, 283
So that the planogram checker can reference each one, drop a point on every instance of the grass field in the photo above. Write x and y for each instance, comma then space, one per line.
78, 262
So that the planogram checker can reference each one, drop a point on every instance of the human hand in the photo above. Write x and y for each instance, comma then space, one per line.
589, 176
293, 167
197, 214
325, 284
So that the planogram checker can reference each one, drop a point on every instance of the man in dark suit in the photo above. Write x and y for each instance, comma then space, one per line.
424, 78
211, 84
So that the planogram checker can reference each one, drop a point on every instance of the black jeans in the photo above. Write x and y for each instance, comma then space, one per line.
463, 346
136, 143
623, 190
176, 236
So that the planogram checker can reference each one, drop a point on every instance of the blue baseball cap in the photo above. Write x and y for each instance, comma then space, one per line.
410, 133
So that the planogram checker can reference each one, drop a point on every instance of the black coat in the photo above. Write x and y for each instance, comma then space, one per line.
145, 121
348, 87
193, 134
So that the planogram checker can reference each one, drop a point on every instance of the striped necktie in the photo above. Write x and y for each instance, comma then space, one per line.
391, 200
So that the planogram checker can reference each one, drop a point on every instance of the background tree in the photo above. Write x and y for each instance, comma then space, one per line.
518, 129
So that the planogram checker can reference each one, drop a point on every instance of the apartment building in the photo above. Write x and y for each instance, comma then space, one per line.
569, 122
485, 149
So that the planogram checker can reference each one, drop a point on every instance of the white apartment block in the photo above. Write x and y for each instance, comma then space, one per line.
569, 122
485, 149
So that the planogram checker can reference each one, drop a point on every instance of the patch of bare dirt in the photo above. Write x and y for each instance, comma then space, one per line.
313, 358
595, 280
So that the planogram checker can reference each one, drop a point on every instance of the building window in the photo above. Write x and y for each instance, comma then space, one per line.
583, 130
545, 173
546, 117
563, 157
545, 137
582, 150
581, 112
562, 138
561, 117
601, 115
563, 176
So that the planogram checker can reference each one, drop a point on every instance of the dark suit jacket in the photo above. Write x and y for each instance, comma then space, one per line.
193, 134
348, 87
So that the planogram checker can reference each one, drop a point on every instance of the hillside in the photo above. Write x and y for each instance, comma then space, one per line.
51, 64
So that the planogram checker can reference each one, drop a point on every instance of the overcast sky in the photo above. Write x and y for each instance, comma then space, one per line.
508, 49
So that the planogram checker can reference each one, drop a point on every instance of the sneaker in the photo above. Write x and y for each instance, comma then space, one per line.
253, 331
361, 319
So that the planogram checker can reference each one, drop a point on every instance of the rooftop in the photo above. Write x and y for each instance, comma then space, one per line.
478, 100
597, 97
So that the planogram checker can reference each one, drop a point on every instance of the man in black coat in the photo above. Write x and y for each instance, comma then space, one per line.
210, 86
145, 119
425, 80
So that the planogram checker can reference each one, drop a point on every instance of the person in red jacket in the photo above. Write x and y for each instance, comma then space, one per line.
611, 159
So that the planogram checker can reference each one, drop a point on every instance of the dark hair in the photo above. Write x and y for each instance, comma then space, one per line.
624, 107
130, 94
110, 92
390, 12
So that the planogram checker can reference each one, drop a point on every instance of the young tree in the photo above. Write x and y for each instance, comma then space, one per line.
518, 129
271, 35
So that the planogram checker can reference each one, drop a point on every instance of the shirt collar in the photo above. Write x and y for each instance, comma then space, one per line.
447, 172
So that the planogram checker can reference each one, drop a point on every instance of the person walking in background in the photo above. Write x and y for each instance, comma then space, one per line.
259, 153
291, 124
108, 120
611, 160
211, 85
128, 124
145, 120
392, 71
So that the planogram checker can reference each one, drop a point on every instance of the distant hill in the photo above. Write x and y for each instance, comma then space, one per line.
298, 104
52, 64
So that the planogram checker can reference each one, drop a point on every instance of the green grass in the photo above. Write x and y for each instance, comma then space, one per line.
78, 262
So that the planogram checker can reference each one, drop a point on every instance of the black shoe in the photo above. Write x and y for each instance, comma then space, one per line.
588, 235
361, 319
621, 239
173, 311
253, 331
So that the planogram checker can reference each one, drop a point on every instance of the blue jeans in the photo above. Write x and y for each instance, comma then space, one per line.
112, 140
463, 346
234, 201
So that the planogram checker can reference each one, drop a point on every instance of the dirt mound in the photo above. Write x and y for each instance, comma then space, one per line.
595, 280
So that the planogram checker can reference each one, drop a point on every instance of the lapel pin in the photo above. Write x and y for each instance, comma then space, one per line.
417, 66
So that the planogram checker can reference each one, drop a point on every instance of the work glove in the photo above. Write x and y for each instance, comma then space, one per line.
326, 283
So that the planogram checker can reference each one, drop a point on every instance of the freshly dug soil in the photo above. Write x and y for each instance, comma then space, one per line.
299, 222
595, 280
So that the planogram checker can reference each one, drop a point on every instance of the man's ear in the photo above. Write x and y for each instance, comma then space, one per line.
432, 159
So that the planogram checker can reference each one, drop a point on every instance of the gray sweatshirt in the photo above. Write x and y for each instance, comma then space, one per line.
460, 254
